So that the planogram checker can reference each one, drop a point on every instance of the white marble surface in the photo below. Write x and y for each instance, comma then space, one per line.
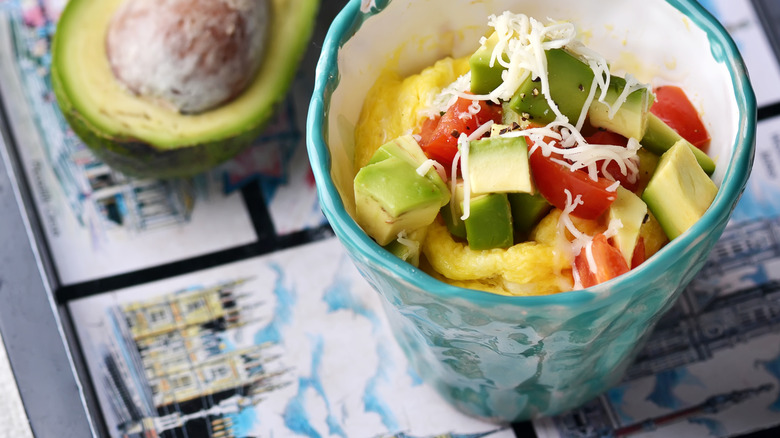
13, 420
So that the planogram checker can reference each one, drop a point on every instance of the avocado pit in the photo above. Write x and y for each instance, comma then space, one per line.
188, 55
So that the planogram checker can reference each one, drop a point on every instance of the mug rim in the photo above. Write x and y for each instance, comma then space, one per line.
349, 20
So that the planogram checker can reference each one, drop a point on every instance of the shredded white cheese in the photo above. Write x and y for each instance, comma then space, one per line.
614, 226
453, 183
423, 169
577, 154
589, 257
404, 240
463, 154
575, 273
520, 49
631, 85
463, 149
580, 239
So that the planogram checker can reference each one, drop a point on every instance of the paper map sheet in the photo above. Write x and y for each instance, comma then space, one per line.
291, 343
114, 222
295, 342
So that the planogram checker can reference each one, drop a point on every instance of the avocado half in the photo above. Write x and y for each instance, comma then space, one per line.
142, 139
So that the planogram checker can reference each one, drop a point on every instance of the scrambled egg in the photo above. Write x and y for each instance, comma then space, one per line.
393, 108
539, 266
393, 105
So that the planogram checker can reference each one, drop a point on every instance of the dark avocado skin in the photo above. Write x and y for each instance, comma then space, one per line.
142, 159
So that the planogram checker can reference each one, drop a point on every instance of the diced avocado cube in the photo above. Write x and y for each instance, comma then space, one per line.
499, 164
570, 80
496, 129
631, 211
648, 161
407, 148
489, 224
679, 192
390, 197
407, 248
485, 77
630, 120
452, 212
512, 119
659, 137
527, 211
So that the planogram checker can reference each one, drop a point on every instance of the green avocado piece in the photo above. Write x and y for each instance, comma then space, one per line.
496, 129
390, 197
510, 118
648, 161
484, 77
631, 211
527, 211
407, 148
489, 224
679, 191
452, 212
659, 137
142, 138
630, 120
499, 165
407, 248
570, 80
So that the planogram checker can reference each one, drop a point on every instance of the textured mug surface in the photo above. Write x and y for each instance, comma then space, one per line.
516, 358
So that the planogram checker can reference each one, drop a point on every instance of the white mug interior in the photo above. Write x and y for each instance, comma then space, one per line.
650, 39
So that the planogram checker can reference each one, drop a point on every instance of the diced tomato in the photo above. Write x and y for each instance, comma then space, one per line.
428, 127
552, 179
639, 255
608, 259
603, 136
673, 107
441, 142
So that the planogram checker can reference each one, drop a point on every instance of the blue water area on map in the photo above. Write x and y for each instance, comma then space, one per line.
285, 302
714, 427
616, 396
296, 417
759, 201
372, 397
772, 366
243, 422
340, 295
665, 384
760, 276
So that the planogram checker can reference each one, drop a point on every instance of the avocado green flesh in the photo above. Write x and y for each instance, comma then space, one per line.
452, 212
485, 77
407, 149
489, 224
570, 80
631, 211
391, 197
680, 192
409, 249
659, 137
630, 119
499, 165
141, 138
527, 211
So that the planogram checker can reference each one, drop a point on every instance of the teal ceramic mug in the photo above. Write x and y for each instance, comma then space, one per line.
515, 358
